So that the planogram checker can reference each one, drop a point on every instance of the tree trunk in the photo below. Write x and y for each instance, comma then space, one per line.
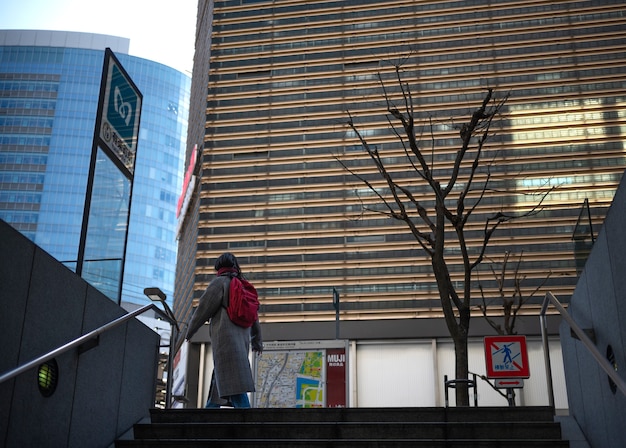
461, 368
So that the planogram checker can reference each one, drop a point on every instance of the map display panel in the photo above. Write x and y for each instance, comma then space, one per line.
301, 375
290, 379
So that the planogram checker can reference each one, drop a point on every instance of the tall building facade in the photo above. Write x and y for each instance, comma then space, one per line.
188, 215
49, 87
282, 81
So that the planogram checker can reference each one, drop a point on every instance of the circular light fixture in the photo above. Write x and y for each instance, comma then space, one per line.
48, 377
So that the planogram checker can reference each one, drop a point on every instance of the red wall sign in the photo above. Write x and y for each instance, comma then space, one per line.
506, 357
336, 378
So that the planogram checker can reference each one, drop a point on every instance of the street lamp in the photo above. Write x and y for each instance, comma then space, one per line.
156, 295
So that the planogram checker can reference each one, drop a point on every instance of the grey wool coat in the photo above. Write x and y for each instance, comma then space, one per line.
230, 342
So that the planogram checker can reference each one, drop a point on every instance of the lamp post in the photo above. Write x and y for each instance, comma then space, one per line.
156, 295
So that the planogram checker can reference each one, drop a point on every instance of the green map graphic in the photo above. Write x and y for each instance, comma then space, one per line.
313, 364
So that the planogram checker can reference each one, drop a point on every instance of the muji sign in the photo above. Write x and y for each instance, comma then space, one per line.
506, 357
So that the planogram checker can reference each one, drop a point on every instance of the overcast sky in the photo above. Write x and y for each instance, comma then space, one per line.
159, 30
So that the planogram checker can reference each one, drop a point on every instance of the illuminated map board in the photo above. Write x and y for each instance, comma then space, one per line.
295, 374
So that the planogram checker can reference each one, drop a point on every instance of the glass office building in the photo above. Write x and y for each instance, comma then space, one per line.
282, 79
49, 87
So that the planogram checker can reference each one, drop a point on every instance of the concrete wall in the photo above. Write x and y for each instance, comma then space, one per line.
599, 303
102, 392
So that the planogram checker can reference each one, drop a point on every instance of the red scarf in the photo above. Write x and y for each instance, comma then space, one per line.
223, 271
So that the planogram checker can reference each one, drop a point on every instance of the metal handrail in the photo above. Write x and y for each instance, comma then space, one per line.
80, 340
582, 336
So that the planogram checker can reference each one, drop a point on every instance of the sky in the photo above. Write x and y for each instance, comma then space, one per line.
159, 30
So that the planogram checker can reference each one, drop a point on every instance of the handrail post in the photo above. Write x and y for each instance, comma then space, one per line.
452, 383
475, 390
546, 353
170, 369
582, 336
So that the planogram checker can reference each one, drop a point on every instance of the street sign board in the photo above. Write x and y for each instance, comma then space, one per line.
121, 110
506, 357
302, 374
509, 383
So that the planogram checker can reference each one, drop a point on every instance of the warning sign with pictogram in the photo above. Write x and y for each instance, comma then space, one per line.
506, 357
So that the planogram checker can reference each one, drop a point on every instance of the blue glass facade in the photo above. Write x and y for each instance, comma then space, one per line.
48, 103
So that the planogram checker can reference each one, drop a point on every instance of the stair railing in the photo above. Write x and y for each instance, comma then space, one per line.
582, 336
84, 338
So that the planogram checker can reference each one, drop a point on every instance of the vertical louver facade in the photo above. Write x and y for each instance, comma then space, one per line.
284, 75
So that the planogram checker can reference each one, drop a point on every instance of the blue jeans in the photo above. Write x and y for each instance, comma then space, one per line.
237, 401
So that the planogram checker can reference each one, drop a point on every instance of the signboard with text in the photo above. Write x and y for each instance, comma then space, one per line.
506, 357
120, 114
108, 196
179, 372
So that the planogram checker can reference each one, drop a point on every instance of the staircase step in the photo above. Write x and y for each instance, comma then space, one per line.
468, 427
465, 414
348, 430
344, 443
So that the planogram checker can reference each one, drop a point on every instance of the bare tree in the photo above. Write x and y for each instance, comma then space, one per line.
510, 297
437, 220
506, 304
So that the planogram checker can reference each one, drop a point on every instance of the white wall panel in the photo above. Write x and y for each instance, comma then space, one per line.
558, 375
487, 396
406, 373
206, 370
395, 375
534, 393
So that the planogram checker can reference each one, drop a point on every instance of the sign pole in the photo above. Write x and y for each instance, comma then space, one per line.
116, 135
510, 395
336, 305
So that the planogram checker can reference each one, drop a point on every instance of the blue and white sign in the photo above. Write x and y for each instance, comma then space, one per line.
121, 111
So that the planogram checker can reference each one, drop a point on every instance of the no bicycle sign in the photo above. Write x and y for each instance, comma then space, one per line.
506, 357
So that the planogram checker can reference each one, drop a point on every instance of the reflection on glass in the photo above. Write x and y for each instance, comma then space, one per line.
106, 232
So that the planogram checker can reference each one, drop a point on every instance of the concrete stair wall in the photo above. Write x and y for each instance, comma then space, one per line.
487, 427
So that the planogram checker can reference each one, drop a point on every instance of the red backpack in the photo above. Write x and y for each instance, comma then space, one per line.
243, 303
